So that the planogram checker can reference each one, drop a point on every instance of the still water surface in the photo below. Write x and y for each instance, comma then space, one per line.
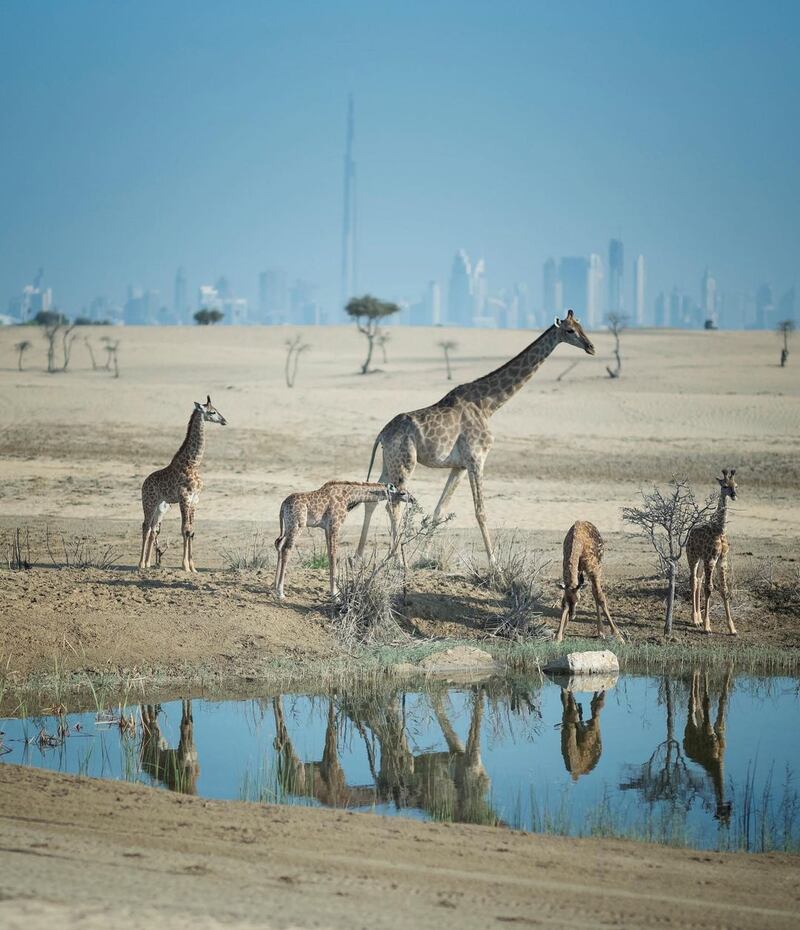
709, 761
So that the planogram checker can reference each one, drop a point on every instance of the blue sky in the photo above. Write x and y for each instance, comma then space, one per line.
137, 137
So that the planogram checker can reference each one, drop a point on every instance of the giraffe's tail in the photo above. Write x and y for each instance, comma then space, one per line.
378, 441
280, 540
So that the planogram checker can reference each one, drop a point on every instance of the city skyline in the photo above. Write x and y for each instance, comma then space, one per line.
132, 159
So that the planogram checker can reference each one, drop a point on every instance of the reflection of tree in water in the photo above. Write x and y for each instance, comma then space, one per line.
666, 776
177, 769
581, 745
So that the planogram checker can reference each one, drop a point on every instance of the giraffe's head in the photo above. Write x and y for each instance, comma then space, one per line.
571, 331
209, 412
395, 495
727, 483
572, 593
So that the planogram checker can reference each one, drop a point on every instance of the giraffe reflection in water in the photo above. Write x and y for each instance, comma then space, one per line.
581, 745
704, 742
452, 784
177, 769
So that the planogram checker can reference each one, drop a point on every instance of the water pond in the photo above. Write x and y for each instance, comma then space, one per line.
707, 760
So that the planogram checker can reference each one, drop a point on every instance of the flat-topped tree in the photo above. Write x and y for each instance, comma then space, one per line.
369, 313
22, 347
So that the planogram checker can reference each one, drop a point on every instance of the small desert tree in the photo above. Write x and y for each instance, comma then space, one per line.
666, 518
616, 324
22, 347
51, 332
88, 343
369, 313
293, 349
447, 346
112, 360
206, 317
785, 329
67, 339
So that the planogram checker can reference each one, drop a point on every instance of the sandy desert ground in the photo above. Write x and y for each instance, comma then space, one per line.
74, 448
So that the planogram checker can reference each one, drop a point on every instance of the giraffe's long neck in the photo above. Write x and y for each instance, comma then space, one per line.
720, 519
365, 494
491, 391
191, 452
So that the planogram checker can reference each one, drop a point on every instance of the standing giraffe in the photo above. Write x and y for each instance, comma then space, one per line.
703, 741
709, 544
454, 433
326, 507
178, 483
583, 552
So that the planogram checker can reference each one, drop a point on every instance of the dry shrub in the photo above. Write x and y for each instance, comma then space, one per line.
780, 592
71, 551
17, 549
517, 575
366, 610
254, 555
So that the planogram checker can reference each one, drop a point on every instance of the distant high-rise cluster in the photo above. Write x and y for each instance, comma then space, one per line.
593, 288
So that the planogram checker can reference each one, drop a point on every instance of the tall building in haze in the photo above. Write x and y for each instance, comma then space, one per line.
348, 269
708, 296
594, 291
616, 260
552, 302
459, 294
180, 301
272, 296
573, 272
638, 291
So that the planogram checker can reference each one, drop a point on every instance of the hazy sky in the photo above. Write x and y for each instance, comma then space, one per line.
139, 136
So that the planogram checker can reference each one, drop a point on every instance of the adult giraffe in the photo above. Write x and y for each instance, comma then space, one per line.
454, 433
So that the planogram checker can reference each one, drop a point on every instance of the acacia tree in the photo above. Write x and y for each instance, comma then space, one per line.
666, 518
206, 317
51, 332
293, 349
22, 347
369, 312
447, 346
785, 329
111, 347
616, 323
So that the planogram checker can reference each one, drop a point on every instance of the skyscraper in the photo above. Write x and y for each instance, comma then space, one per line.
480, 294
615, 276
638, 290
459, 294
348, 285
708, 296
574, 276
433, 300
272, 296
594, 291
551, 290
180, 302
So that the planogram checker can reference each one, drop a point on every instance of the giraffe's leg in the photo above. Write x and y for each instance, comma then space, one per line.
331, 538
456, 474
369, 509
152, 549
185, 531
708, 581
145, 541
192, 507
723, 584
563, 624
601, 601
476, 483
694, 571
283, 561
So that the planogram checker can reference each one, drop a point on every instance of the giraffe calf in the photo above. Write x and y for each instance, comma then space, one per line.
327, 507
583, 552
